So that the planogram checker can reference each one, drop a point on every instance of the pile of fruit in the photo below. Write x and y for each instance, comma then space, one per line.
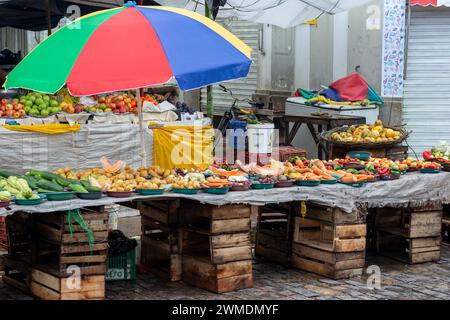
117, 103
15, 109
17, 187
39, 104
212, 182
374, 133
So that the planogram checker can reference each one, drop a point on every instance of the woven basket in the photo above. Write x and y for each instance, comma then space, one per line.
326, 137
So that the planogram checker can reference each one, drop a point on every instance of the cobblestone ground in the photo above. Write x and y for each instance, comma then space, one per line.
398, 281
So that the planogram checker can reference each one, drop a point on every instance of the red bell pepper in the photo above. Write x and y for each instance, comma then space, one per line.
427, 155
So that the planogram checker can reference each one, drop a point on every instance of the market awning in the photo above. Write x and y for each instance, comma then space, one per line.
284, 14
434, 3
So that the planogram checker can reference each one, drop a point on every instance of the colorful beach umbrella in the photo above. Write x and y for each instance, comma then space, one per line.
133, 47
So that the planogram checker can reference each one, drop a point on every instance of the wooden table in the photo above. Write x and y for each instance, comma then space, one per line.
324, 122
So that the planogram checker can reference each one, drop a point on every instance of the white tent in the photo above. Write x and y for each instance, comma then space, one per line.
282, 13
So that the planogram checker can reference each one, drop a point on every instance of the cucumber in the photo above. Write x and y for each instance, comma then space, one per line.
93, 189
32, 183
85, 183
48, 185
7, 174
62, 181
78, 188
44, 191
43, 174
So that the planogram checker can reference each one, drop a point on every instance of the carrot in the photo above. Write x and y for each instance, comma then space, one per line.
349, 179
303, 170
299, 163
319, 164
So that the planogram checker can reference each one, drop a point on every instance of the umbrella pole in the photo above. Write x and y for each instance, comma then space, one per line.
141, 127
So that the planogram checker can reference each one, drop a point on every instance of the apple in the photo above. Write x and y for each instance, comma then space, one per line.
22, 113
2, 108
9, 107
1, 113
102, 100
78, 108
9, 113
4, 102
16, 114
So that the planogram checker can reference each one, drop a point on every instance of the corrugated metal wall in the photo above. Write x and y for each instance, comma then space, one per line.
242, 88
427, 87
14, 40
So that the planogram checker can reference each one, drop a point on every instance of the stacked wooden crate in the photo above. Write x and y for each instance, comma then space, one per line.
215, 246
61, 252
159, 239
411, 235
330, 242
274, 232
3, 235
17, 263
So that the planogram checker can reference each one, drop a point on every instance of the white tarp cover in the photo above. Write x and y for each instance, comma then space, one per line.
413, 189
21, 151
281, 13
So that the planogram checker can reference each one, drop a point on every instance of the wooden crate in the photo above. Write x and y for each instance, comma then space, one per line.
336, 265
55, 246
274, 233
199, 271
410, 223
216, 247
410, 235
286, 152
47, 285
409, 250
159, 239
164, 212
19, 228
336, 216
215, 220
3, 234
330, 242
17, 270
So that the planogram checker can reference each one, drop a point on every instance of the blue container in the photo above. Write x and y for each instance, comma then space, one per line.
239, 128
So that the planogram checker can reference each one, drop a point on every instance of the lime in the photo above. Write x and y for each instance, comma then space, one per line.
29, 103
44, 113
54, 103
27, 109
46, 98
39, 101
54, 110
32, 98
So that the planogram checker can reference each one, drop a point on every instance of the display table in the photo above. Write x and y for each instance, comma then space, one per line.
414, 189
323, 122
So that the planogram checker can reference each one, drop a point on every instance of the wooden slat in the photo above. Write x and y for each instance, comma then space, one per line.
46, 279
425, 242
223, 255
230, 240
351, 231
83, 259
91, 283
83, 248
230, 225
44, 293
83, 237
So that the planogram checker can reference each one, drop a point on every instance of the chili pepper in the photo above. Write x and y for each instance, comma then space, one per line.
383, 171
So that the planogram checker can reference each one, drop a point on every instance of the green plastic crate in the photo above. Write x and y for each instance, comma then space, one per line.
122, 267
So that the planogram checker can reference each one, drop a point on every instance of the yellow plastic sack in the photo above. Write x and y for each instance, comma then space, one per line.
184, 147
53, 128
